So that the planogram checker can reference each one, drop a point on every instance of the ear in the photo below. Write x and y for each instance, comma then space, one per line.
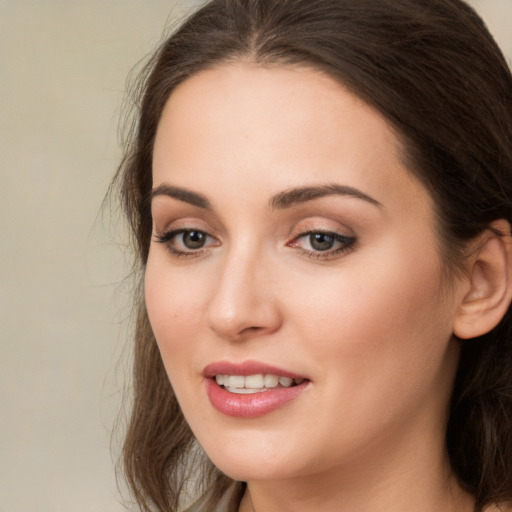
489, 279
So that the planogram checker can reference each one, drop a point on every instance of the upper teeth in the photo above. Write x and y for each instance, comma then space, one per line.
257, 381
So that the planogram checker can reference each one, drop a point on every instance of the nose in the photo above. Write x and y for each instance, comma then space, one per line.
244, 303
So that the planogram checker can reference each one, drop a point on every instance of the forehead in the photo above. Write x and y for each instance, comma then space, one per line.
288, 102
287, 126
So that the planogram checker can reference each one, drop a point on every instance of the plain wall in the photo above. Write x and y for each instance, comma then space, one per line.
63, 66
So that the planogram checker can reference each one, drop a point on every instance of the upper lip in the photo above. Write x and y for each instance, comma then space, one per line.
246, 368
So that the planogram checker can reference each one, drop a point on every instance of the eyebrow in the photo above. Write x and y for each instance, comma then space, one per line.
182, 194
281, 201
296, 196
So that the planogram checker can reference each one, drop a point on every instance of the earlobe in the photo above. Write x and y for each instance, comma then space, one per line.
490, 283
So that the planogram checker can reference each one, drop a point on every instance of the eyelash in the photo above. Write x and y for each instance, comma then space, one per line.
168, 238
346, 244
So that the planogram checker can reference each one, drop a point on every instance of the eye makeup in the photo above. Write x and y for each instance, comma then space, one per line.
186, 243
315, 244
323, 245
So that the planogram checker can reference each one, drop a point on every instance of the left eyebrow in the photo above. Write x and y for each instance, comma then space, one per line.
296, 196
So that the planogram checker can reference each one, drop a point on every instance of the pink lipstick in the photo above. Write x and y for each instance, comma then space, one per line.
251, 389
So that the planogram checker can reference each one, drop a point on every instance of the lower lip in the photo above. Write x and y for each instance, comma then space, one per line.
251, 405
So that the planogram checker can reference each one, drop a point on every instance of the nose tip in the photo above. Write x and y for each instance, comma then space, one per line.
235, 326
235, 320
243, 305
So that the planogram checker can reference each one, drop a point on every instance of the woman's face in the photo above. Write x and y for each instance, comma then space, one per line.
295, 259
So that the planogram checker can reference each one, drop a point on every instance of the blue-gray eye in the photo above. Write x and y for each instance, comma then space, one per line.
321, 241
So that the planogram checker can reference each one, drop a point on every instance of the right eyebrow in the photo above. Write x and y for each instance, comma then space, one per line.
181, 194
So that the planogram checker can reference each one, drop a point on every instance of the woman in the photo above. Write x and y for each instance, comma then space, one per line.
320, 195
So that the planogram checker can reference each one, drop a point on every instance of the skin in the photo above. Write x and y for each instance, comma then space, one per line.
371, 326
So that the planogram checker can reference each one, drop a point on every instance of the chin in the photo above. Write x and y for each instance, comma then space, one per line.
250, 472
255, 461
246, 465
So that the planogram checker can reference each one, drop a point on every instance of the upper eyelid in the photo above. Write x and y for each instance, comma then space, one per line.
177, 231
159, 226
208, 220
319, 222
323, 231
320, 226
293, 234
334, 234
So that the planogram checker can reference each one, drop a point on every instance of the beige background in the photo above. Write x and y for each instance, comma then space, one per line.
63, 65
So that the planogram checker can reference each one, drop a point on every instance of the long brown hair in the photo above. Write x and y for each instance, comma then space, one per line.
433, 70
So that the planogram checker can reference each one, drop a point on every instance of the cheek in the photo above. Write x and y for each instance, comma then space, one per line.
381, 327
386, 294
174, 306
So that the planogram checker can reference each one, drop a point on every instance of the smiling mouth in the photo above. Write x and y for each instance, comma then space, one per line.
257, 383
